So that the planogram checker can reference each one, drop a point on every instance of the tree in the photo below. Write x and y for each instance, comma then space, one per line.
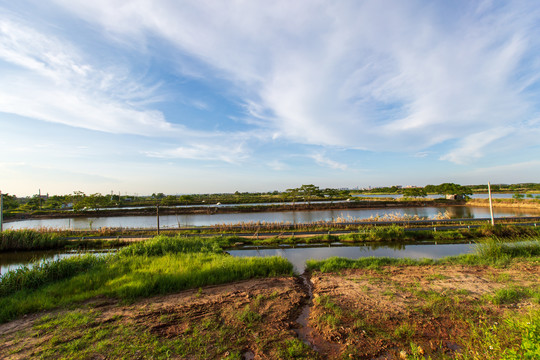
454, 189
331, 193
291, 194
9, 202
414, 192
308, 192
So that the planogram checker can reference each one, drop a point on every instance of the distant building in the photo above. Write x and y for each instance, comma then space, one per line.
455, 197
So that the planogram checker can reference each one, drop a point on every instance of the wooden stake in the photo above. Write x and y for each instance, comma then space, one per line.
157, 217
1, 212
490, 205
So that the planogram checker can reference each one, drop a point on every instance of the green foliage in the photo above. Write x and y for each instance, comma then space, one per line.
414, 192
17, 240
159, 266
28, 278
295, 349
162, 245
530, 343
337, 263
496, 249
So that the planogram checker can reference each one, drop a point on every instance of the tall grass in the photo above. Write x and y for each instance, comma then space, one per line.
491, 251
497, 249
157, 266
162, 245
29, 278
17, 240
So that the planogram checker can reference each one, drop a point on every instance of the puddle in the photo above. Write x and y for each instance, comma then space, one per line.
305, 332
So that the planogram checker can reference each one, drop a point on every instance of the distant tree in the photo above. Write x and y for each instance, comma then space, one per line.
308, 192
169, 200
9, 202
331, 193
414, 192
77, 199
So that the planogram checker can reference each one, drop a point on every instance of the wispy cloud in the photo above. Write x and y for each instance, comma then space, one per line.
339, 74
231, 153
325, 161
472, 146
46, 78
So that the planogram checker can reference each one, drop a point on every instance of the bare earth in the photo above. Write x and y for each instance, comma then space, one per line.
360, 314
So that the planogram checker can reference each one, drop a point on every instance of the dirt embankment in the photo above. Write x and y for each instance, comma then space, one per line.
373, 204
507, 203
361, 314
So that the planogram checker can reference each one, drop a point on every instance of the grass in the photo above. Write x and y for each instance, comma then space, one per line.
159, 266
490, 251
49, 239
17, 240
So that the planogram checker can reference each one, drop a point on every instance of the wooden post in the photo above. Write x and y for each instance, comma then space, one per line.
490, 205
157, 218
1, 212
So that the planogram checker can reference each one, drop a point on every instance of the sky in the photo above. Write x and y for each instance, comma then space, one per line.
179, 97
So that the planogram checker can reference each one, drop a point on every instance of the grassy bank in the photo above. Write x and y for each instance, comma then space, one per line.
508, 203
490, 251
48, 239
158, 266
28, 240
480, 306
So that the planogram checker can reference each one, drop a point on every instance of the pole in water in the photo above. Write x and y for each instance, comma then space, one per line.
490, 205
157, 217
1, 212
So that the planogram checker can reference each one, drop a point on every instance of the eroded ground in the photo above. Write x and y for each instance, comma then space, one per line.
388, 313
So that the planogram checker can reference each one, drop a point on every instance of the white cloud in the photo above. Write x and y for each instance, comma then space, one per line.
472, 146
47, 79
370, 75
324, 161
230, 153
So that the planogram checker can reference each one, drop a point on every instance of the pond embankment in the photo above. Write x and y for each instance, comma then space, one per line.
507, 203
241, 208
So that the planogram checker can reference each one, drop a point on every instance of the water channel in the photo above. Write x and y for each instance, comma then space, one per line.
293, 217
297, 255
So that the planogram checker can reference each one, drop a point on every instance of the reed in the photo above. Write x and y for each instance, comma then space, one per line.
17, 240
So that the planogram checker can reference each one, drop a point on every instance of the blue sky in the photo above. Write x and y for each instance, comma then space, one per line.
199, 96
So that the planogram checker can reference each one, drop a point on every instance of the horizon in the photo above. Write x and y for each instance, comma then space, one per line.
217, 97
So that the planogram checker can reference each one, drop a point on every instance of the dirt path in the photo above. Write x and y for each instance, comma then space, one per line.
356, 314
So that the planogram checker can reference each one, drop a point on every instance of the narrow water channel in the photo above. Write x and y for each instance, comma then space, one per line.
297, 255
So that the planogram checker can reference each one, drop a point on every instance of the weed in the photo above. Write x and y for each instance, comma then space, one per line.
405, 331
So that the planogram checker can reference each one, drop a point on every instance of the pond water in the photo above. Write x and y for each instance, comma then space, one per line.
436, 196
14, 260
293, 217
299, 255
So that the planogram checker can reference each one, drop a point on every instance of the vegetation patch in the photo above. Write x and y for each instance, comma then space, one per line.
159, 266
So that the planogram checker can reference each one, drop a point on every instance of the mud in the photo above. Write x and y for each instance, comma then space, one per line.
353, 314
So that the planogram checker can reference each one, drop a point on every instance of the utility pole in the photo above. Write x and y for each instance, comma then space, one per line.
157, 217
490, 205
1, 212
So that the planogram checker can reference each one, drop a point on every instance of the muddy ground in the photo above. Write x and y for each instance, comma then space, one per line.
358, 314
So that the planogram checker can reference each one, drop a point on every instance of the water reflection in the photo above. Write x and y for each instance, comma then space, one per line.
292, 217
299, 256
13, 260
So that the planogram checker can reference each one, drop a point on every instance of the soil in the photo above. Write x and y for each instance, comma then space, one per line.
356, 314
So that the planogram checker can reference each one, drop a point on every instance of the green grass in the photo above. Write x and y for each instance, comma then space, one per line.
18, 240
491, 251
158, 266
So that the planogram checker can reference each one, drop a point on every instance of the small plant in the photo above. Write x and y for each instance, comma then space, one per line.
405, 331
